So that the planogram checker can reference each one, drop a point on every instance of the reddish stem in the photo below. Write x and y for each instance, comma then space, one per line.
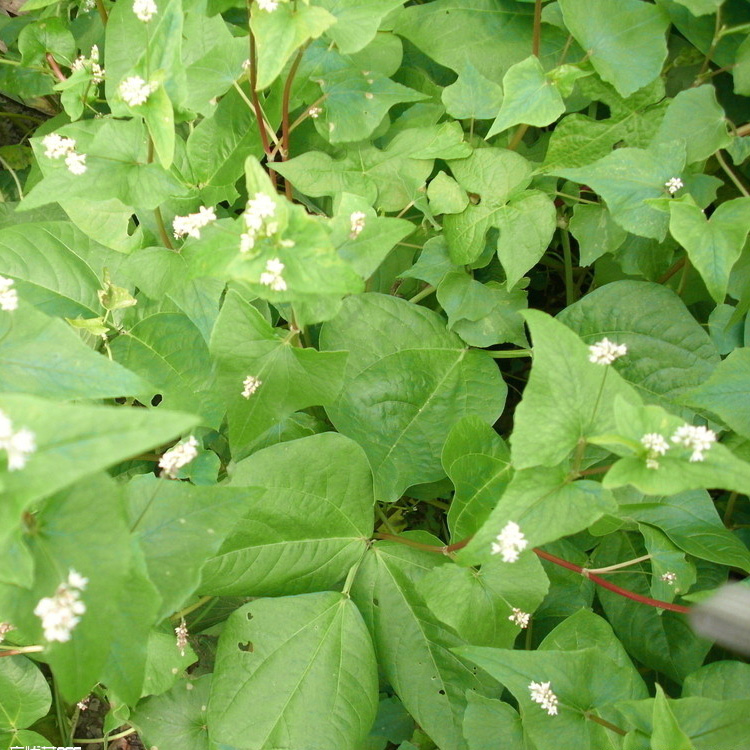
611, 586
285, 117
55, 68
258, 110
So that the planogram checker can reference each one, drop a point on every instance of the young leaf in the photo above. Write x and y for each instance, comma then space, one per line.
472, 96
324, 692
24, 693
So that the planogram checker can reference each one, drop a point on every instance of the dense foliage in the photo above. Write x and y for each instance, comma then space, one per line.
373, 373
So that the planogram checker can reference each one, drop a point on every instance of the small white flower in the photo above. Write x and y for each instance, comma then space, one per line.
92, 64
520, 618
657, 445
669, 577
272, 275
246, 65
510, 542
76, 163
247, 242
178, 456
57, 146
605, 352
699, 439
287, 243
87, 6
61, 613
193, 223
356, 224
250, 385
268, 5
673, 184
5, 627
181, 632
144, 9
541, 693
8, 295
134, 91
18, 448
261, 205
315, 112
83, 705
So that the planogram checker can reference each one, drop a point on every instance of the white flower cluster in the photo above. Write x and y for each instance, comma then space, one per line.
315, 112
91, 64
656, 445
178, 456
258, 209
673, 184
542, 693
144, 10
357, 224
698, 439
18, 445
134, 91
272, 275
605, 352
510, 542
8, 295
669, 577
193, 223
268, 5
61, 613
520, 618
181, 632
57, 146
250, 384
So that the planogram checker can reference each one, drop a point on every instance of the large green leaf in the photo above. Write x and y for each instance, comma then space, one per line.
413, 646
405, 386
43, 356
713, 244
726, 391
669, 352
627, 178
244, 345
624, 39
296, 671
472, 95
356, 22
178, 527
560, 404
596, 232
488, 722
308, 528
76, 441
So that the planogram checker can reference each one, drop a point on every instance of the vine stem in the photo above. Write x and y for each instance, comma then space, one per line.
102, 11
672, 270
419, 296
510, 353
448, 548
21, 650
605, 723
285, 130
177, 616
55, 68
536, 39
256, 101
732, 176
157, 211
568, 260
625, 564
108, 738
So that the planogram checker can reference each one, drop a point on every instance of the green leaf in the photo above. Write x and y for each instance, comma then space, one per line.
667, 557
583, 681
414, 649
177, 716
433, 262
24, 693
596, 232
690, 520
324, 691
713, 245
526, 226
48, 35
668, 351
725, 391
627, 178
307, 529
43, 356
529, 97
398, 419
165, 664
720, 680
472, 96
667, 732
701, 7
446, 195
116, 167
479, 605
695, 116
178, 527
624, 39
546, 505
719, 467
168, 350
488, 722
477, 460
356, 23
557, 410
159, 117
291, 378
499, 32
280, 33
75, 441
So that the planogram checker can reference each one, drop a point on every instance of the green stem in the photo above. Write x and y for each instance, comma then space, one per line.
382, 516
730, 508
711, 49
102, 11
732, 176
683, 279
536, 38
510, 353
517, 137
426, 292
577, 198
625, 564
157, 211
106, 739
352, 574
595, 470
285, 116
612, 727
14, 176
177, 616
570, 294
672, 270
